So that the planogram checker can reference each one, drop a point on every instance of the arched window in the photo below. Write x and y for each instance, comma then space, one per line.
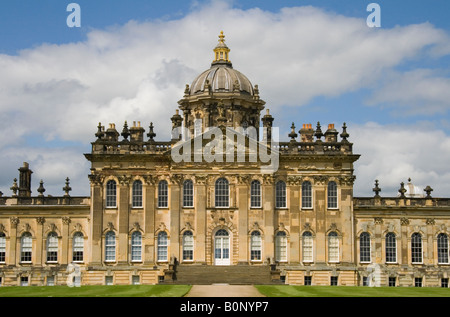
111, 193
306, 195
188, 246
333, 247
391, 248
255, 246
255, 194
442, 248
416, 248
364, 247
78, 247
136, 246
281, 247
163, 194
332, 195
307, 246
222, 193
280, 194
110, 246
136, 195
26, 245
52, 247
162, 246
188, 193
2, 247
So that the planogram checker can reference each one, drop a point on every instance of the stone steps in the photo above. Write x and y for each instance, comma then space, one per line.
237, 274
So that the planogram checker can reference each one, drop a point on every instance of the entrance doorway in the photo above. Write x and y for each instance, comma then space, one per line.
222, 248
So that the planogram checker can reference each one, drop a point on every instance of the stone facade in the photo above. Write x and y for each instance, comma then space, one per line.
149, 209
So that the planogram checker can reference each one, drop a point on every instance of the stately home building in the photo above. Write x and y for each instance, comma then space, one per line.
223, 200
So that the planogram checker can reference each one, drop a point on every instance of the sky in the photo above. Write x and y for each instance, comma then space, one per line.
312, 60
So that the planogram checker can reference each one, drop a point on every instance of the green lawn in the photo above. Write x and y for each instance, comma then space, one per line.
350, 291
96, 291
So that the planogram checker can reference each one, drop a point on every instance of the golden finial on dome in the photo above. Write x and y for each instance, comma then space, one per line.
221, 50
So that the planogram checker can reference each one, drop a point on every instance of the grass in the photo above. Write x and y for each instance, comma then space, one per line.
350, 291
96, 291
181, 290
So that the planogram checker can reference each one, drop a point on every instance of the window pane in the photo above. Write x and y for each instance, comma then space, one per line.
281, 246
222, 193
306, 195
442, 244
163, 194
333, 247
162, 246
78, 247
255, 194
332, 195
307, 247
391, 248
188, 246
188, 193
52, 247
416, 248
364, 247
26, 247
255, 246
136, 246
280, 195
111, 193
137, 194
2, 247
110, 246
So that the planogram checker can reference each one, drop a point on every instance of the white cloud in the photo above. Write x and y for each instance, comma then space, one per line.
394, 153
137, 72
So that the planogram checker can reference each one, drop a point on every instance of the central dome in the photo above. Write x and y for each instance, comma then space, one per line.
221, 77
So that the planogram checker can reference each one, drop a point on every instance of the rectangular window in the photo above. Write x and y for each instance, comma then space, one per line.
163, 194
108, 280
255, 194
306, 195
444, 282
334, 281
307, 280
137, 194
2, 249
280, 195
135, 280
418, 282
24, 281
365, 281
188, 194
392, 281
50, 281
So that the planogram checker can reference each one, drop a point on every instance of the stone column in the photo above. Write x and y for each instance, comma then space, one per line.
148, 240
174, 207
269, 212
41, 256
242, 204
200, 200
65, 250
123, 214
377, 255
293, 192
96, 216
319, 205
404, 241
14, 247
428, 254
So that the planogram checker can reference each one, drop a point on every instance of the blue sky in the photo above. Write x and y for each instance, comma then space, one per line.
26, 23
131, 59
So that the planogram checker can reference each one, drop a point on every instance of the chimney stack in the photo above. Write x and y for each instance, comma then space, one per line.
25, 180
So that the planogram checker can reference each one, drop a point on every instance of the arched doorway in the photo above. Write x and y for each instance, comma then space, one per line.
222, 247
